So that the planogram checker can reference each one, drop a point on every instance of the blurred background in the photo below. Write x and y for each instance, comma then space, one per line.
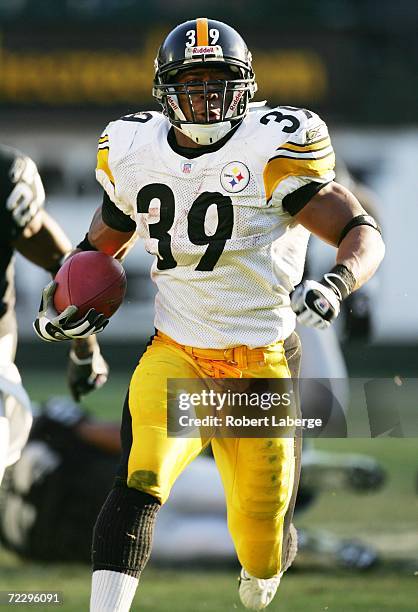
68, 67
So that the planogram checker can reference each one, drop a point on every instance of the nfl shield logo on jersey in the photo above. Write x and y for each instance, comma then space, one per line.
186, 167
235, 176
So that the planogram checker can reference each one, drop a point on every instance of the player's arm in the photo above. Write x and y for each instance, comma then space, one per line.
336, 216
331, 215
39, 238
299, 179
112, 232
44, 243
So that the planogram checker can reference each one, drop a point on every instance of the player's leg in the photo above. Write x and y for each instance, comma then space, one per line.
260, 478
151, 462
15, 409
4, 441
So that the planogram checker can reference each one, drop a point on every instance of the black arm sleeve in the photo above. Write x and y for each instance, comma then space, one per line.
295, 201
115, 218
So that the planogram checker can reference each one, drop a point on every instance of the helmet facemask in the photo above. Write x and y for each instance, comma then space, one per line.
180, 99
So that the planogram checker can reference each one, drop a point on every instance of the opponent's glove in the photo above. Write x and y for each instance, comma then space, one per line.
54, 327
317, 304
314, 304
85, 375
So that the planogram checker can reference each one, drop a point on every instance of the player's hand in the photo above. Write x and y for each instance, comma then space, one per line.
54, 327
314, 304
85, 375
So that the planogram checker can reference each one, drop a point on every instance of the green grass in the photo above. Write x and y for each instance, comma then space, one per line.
106, 403
164, 590
385, 514
388, 519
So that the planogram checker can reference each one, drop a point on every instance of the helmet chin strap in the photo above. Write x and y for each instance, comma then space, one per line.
205, 134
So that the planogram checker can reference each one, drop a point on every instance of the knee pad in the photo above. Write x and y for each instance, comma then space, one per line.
122, 536
265, 478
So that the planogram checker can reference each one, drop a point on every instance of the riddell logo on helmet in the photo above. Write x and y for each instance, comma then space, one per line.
203, 50
171, 102
236, 100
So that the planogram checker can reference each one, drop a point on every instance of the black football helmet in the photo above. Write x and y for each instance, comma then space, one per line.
204, 43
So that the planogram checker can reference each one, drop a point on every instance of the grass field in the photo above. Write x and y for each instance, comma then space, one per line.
387, 519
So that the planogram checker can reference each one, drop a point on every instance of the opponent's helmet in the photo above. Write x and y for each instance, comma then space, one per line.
201, 43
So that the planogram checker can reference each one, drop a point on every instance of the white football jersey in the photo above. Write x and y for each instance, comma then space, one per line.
227, 252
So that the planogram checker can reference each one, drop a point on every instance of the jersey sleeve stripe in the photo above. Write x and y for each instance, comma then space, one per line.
103, 163
318, 154
280, 167
103, 139
312, 146
299, 144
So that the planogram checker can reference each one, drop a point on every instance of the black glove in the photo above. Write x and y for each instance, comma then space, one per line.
85, 375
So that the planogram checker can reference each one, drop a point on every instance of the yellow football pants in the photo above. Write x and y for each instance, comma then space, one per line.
258, 474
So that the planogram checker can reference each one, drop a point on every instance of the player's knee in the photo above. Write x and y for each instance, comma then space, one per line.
260, 559
143, 480
122, 536
147, 481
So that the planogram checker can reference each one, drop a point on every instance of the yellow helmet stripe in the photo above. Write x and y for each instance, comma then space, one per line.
202, 32
279, 168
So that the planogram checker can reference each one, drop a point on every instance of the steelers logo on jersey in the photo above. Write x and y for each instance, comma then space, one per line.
235, 176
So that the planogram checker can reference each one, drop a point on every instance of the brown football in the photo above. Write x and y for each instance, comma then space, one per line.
90, 279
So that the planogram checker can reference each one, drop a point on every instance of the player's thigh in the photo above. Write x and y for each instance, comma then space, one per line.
259, 473
151, 459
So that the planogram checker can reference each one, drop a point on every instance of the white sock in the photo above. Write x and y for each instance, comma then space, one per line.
112, 591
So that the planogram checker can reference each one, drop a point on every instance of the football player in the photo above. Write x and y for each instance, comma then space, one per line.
225, 200
26, 227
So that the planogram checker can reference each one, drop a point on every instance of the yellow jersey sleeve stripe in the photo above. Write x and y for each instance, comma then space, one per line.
299, 144
316, 146
280, 167
103, 139
202, 32
103, 163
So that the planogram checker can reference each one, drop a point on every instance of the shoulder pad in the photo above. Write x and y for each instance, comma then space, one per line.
298, 125
301, 149
117, 141
21, 190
